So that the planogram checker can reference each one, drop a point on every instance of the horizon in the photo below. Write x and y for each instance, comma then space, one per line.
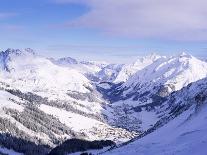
135, 57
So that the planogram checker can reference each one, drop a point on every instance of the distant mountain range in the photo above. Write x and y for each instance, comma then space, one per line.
46, 101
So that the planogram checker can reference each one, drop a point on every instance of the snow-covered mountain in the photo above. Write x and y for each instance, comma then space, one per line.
27, 71
181, 131
105, 72
119, 73
136, 101
89, 68
45, 101
129, 69
82, 66
173, 73
109, 73
65, 61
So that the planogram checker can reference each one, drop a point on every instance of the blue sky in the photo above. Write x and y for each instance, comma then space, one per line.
104, 30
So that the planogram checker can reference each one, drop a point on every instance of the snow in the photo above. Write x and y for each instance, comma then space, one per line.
148, 119
5, 101
184, 135
84, 67
132, 103
130, 69
8, 151
105, 85
75, 121
109, 72
29, 72
92, 128
178, 71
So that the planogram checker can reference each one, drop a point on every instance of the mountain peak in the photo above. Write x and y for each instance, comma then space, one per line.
67, 60
152, 56
29, 50
147, 58
18, 52
178, 71
184, 54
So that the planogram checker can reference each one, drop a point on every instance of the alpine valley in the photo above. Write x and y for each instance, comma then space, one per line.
156, 105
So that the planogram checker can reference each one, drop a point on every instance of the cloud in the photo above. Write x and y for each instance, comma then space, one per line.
184, 20
11, 27
4, 15
7, 26
94, 47
70, 1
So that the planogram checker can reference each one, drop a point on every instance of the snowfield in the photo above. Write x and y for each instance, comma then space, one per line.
75, 121
6, 98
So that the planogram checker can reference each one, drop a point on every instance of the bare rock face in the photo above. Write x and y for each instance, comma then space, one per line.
166, 90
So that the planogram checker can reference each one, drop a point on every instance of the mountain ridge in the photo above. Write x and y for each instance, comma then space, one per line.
83, 100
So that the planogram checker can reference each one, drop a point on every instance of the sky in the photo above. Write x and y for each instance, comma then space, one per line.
111, 30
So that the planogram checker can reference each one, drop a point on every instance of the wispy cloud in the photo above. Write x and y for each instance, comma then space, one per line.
95, 48
6, 26
161, 19
4, 15
69, 1
11, 27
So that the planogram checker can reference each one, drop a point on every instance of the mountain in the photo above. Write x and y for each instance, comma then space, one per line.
119, 73
47, 102
29, 72
65, 61
89, 68
129, 69
109, 72
43, 104
172, 73
137, 101
105, 72
181, 132
99, 64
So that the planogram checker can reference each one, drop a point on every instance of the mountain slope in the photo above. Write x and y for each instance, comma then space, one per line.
109, 72
181, 132
137, 101
130, 69
29, 72
175, 72
43, 104
88, 68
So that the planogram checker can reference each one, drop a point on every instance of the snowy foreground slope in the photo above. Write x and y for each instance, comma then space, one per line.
183, 134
